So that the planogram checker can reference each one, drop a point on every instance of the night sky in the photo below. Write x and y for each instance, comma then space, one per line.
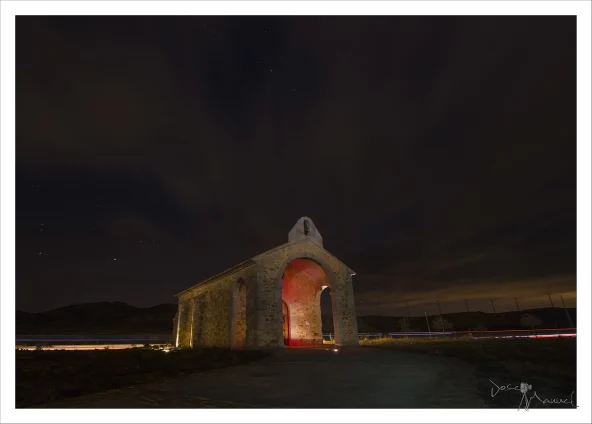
436, 155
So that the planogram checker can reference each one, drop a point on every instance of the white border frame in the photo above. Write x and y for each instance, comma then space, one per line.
8, 10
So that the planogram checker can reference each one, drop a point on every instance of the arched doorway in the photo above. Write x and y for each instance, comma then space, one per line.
326, 306
302, 283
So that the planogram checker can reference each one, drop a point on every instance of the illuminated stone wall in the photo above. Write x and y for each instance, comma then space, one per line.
206, 313
175, 329
239, 316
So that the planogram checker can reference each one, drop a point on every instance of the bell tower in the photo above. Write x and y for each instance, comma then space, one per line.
305, 230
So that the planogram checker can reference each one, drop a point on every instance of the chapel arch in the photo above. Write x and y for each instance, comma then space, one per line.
325, 302
302, 283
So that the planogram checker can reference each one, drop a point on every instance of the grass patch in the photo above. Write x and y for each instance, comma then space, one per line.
46, 376
548, 364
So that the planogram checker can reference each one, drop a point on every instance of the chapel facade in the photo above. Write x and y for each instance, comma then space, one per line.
271, 300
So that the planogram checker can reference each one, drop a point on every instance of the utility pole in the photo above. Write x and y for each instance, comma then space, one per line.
492, 305
440, 311
553, 307
550, 300
428, 322
467, 305
517, 306
571, 324
407, 329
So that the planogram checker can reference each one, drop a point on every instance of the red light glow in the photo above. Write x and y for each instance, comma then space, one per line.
302, 284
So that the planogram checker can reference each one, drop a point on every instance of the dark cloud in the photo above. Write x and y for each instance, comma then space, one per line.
433, 153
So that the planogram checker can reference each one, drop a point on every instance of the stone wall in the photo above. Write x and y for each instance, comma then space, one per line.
206, 312
239, 315
344, 310
200, 303
175, 329
184, 323
267, 331
251, 288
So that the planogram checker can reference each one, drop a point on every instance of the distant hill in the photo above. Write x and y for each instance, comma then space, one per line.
98, 318
118, 318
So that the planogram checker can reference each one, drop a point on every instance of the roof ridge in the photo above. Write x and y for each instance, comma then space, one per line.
238, 267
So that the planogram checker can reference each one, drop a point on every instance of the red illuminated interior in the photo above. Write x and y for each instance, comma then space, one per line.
302, 284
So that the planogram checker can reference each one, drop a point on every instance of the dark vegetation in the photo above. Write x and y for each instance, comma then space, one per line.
120, 318
45, 376
549, 365
463, 321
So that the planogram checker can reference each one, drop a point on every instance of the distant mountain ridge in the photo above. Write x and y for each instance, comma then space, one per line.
98, 318
118, 318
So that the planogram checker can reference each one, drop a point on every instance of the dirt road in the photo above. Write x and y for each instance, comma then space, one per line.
308, 378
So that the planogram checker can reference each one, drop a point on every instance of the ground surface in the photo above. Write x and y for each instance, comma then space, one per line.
47, 376
412, 373
547, 364
307, 378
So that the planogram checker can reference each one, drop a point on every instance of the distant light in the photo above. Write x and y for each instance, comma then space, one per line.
335, 350
353, 273
166, 350
114, 259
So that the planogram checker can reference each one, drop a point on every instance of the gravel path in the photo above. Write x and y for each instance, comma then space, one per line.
308, 378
